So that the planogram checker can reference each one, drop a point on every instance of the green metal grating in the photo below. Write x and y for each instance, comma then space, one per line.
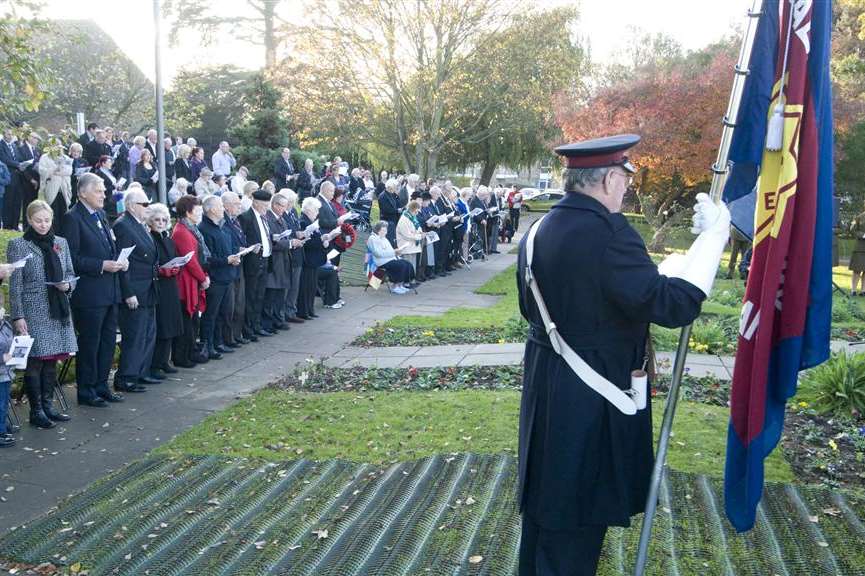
213, 516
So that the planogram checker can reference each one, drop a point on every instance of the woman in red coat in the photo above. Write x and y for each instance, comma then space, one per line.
192, 280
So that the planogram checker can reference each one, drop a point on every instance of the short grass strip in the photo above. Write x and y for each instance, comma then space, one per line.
385, 427
446, 514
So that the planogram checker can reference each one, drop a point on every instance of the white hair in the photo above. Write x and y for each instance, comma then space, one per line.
229, 196
391, 185
210, 202
413, 178
158, 210
289, 194
279, 199
310, 202
134, 196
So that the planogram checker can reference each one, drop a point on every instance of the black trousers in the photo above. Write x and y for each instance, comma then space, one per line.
137, 340
161, 353
274, 307
97, 336
59, 207
292, 293
183, 347
255, 288
232, 330
391, 231
12, 203
217, 296
443, 248
515, 218
560, 553
308, 288
328, 282
399, 271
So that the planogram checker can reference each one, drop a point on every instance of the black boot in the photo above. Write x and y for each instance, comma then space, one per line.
49, 381
33, 388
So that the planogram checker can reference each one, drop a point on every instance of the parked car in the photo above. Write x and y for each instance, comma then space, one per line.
543, 201
529, 193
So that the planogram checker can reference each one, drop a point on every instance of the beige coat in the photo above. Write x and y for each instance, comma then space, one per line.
54, 178
407, 234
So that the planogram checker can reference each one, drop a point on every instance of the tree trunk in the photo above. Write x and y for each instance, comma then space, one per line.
487, 172
432, 163
269, 38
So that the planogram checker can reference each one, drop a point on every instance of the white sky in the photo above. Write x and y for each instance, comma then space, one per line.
606, 24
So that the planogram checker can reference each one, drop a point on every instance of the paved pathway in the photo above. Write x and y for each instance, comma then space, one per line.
49, 464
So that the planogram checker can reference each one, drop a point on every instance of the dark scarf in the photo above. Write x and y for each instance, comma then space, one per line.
58, 302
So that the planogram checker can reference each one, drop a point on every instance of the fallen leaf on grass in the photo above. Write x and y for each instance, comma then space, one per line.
321, 534
475, 559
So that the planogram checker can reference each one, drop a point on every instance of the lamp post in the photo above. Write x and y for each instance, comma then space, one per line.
160, 117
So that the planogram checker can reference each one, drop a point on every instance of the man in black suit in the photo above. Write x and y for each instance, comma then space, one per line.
284, 174
138, 288
152, 142
327, 218
169, 162
94, 302
97, 148
232, 330
28, 151
445, 232
12, 199
292, 222
255, 265
88, 136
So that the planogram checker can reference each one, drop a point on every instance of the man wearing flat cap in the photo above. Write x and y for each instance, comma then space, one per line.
589, 291
256, 264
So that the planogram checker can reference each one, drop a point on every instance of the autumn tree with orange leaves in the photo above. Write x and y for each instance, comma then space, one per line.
676, 103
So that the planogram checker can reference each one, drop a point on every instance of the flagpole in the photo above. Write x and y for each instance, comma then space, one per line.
160, 116
720, 169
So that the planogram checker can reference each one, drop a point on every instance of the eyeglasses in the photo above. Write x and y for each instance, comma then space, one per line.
145, 204
159, 219
629, 177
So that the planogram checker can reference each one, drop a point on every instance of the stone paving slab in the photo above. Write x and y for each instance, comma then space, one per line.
490, 359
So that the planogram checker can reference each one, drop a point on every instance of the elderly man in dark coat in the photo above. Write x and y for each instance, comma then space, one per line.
585, 450
279, 275
94, 302
224, 269
138, 287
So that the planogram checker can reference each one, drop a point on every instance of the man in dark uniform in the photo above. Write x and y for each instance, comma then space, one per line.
585, 444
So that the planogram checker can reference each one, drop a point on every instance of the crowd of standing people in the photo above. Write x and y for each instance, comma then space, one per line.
225, 262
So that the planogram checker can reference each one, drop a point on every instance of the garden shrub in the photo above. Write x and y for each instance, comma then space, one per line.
838, 385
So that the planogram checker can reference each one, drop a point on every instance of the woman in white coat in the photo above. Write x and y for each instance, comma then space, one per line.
409, 234
55, 175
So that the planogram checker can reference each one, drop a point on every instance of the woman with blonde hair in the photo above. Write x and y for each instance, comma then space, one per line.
39, 298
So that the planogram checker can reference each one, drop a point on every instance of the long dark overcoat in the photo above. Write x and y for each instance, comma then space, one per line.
582, 461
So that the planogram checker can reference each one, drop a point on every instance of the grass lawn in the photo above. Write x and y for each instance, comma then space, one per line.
385, 427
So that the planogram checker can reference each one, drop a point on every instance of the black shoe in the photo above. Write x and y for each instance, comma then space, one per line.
244, 341
304, 318
251, 338
149, 380
200, 358
7, 441
494, 252
183, 364
52, 413
132, 387
233, 345
157, 374
313, 315
296, 320
94, 403
214, 355
168, 369
111, 397
281, 326
413, 286
224, 350
264, 333
38, 419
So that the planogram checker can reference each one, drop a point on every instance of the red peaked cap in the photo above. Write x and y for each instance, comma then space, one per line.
599, 152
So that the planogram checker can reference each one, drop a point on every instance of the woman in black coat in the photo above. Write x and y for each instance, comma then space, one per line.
169, 322
305, 180
314, 256
144, 173
182, 168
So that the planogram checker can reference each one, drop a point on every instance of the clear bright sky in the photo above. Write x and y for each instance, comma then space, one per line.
605, 23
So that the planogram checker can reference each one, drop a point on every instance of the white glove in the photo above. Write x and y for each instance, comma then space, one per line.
699, 266
708, 215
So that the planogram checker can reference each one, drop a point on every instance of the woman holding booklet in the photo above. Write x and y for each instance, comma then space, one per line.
39, 300
169, 322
